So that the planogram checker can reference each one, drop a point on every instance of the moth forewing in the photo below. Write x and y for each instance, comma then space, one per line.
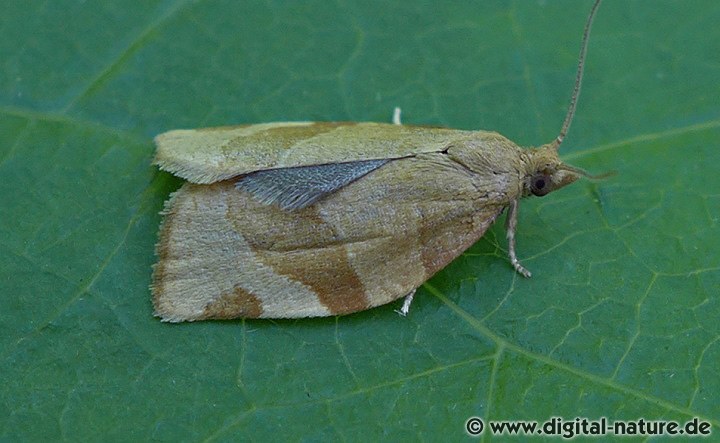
304, 219
209, 155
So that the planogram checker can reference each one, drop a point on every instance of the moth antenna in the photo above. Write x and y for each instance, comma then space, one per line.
578, 78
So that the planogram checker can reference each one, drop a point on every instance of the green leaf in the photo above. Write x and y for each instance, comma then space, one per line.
620, 319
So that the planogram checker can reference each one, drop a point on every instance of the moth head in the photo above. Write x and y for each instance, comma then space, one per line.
545, 172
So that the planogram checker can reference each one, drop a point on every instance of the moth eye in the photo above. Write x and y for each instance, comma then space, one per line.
540, 185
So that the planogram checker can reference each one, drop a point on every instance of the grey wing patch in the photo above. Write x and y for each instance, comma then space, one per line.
301, 186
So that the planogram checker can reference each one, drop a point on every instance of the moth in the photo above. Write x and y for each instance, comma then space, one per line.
309, 219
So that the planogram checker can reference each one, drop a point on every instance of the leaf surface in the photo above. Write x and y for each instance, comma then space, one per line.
619, 319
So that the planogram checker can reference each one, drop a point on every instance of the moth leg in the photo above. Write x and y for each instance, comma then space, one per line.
406, 303
396, 116
510, 225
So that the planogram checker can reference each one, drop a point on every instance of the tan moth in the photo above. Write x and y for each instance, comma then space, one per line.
308, 219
